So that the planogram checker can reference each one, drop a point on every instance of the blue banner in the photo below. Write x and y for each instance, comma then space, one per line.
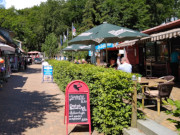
103, 46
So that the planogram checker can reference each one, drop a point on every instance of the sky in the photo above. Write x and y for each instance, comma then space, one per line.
21, 4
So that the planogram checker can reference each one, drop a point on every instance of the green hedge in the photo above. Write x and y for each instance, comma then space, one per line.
110, 93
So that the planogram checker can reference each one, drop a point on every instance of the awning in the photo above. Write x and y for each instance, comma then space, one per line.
126, 43
5, 47
154, 37
165, 35
33, 52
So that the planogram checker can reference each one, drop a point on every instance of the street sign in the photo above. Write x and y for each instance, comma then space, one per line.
77, 104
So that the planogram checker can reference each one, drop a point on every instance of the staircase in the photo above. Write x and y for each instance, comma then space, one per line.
148, 127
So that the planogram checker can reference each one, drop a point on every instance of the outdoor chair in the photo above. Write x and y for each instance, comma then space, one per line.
169, 78
163, 91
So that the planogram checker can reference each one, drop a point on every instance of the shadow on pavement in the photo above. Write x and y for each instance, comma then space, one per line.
81, 128
20, 110
29, 70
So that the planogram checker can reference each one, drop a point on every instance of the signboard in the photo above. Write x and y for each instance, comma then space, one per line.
78, 108
48, 73
103, 46
77, 104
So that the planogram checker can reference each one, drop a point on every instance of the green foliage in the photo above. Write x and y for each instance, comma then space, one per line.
33, 25
110, 93
175, 111
50, 47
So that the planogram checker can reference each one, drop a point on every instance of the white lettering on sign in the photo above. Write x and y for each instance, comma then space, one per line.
118, 32
47, 67
86, 34
79, 107
78, 97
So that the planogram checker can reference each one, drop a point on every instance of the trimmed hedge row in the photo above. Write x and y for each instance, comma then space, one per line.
110, 93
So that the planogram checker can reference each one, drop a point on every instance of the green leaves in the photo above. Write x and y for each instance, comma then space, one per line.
175, 111
110, 92
50, 47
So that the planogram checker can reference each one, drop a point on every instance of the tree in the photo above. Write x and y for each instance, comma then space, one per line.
160, 11
50, 47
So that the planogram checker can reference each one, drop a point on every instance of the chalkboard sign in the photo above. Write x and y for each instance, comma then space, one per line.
77, 104
78, 108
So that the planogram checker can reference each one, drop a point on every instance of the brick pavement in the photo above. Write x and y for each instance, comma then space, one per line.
30, 107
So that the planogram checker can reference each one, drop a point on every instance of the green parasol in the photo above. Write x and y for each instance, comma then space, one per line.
77, 47
106, 33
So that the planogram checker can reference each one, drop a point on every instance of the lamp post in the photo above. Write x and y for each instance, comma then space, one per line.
134, 104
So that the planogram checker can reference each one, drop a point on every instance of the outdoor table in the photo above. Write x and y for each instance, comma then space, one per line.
144, 82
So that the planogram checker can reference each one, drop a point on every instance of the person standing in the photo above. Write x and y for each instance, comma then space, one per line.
174, 63
126, 67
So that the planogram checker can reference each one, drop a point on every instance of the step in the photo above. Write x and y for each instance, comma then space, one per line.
150, 127
132, 131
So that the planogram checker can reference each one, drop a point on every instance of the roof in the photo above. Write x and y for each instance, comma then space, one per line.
163, 27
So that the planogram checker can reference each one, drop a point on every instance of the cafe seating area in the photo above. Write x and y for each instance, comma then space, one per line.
156, 88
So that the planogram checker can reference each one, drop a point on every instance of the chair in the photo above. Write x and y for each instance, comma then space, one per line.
169, 78
163, 91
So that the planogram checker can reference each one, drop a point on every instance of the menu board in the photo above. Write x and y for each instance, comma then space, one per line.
78, 108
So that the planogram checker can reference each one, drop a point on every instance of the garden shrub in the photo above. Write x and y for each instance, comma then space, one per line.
175, 111
110, 93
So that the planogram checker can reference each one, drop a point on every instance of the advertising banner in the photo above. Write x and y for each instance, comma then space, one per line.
47, 73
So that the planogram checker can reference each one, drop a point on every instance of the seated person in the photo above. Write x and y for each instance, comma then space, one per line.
79, 62
126, 67
75, 61
83, 61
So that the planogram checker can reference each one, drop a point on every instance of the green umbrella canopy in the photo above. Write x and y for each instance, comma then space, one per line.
77, 47
106, 33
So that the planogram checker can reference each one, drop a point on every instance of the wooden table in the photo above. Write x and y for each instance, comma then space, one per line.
149, 83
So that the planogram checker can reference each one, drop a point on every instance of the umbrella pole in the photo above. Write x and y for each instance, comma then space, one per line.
93, 58
72, 56
106, 54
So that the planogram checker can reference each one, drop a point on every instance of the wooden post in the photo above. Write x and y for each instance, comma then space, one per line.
143, 97
158, 106
134, 108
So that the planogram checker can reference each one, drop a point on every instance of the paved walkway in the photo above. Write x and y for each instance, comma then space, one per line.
30, 107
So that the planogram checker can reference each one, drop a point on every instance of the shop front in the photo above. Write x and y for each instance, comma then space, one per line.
150, 56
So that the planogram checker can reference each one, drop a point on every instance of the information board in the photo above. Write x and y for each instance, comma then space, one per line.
78, 108
47, 73
77, 104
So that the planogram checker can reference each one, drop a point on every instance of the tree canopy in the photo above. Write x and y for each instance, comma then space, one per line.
33, 25
50, 47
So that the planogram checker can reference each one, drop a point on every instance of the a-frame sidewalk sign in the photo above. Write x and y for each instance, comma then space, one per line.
77, 104
47, 73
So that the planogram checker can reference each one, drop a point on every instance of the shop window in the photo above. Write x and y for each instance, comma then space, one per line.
150, 51
162, 51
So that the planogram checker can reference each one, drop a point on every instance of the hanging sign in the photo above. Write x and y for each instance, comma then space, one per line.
77, 104
48, 73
